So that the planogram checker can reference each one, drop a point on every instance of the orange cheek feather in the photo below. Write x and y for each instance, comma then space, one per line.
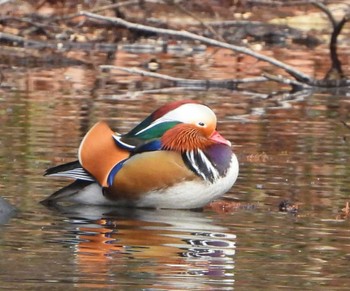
186, 137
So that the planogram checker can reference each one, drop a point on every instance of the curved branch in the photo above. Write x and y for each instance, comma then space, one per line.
336, 71
188, 35
326, 10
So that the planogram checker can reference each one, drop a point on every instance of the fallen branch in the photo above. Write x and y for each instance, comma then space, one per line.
300, 77
188, 35
189, 83
19, 40
136, 94
56, 45
230, 84
335, 77
284, 80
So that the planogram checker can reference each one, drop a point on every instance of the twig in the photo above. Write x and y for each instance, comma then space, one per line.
188, 35
325, 9
335, 72
142, 73
281, 79
57, 45
27, 43
28, 21
336, 69
345, 124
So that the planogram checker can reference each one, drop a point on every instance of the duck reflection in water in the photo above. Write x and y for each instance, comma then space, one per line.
181, 249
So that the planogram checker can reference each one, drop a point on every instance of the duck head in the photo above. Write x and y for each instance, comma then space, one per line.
178, 126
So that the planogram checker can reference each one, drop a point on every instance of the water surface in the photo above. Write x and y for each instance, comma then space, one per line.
289, 147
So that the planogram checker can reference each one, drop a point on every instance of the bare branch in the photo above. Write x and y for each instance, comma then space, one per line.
345, 124
336, 71
188, 35
189, 83
325, 9
134, 95
57, 45
284, 80
27, 43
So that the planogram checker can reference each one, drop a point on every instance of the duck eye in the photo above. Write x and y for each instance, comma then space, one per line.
201, 124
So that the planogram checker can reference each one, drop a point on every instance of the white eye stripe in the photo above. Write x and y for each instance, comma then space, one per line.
191, 113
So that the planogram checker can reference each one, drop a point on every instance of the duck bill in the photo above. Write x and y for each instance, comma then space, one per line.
217, 137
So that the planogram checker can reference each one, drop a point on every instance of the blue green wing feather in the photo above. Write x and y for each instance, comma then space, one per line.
143, 135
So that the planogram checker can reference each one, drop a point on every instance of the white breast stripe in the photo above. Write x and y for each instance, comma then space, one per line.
192, 160
209, 165
196, 157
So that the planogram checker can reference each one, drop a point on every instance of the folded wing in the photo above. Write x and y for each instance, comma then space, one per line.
99, 153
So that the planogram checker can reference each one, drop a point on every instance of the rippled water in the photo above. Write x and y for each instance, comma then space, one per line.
294, 148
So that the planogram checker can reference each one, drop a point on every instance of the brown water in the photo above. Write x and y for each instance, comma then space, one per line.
294, 148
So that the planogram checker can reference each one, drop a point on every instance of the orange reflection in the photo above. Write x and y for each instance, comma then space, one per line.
110, 247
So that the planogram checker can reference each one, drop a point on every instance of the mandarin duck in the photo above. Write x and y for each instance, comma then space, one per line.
174, 158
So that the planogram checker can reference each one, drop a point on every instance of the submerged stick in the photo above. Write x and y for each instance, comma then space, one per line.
190, 83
